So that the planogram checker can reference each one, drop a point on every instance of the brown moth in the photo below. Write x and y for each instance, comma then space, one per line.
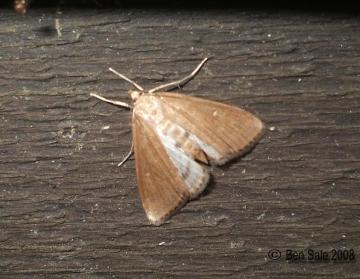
21, 6
175, 137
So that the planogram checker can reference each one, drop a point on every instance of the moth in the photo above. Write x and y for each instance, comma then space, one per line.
175, 138
21, 6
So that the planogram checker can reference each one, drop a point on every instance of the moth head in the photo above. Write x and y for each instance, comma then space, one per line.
134, 94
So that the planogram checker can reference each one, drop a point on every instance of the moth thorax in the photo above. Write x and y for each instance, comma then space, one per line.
135, 95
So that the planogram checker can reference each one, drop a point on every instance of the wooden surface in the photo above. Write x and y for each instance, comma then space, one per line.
68, 211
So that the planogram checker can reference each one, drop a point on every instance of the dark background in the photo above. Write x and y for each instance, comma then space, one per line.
316, 6
67, 210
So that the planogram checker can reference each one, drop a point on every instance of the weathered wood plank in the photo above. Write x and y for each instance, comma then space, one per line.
67, 210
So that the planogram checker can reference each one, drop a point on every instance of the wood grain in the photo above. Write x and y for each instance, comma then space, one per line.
67, 210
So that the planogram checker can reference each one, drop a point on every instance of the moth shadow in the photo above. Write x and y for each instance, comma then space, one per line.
209, 188
212, 182
46, 31
234, 160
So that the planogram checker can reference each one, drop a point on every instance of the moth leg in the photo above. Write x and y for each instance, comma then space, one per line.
116, 103
181, 82
121, 104
128, 155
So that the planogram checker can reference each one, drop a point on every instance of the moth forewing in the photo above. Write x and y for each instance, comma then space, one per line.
161, 189
221, 131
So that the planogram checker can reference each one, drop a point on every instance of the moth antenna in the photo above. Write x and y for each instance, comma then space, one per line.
128, 155
127, 79
182, 81
116, 103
